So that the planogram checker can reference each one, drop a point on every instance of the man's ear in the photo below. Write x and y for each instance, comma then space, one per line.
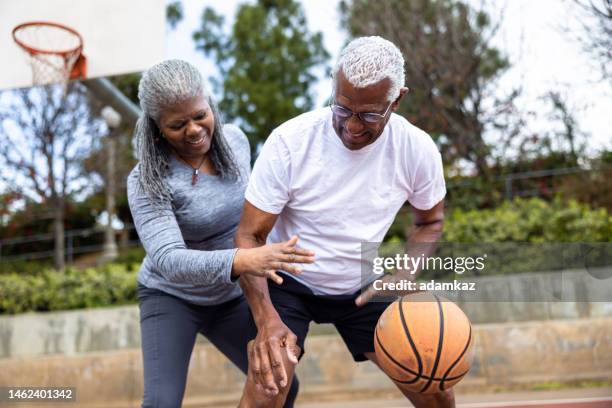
403, 92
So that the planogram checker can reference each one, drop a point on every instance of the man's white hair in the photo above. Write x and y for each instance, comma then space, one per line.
368, 60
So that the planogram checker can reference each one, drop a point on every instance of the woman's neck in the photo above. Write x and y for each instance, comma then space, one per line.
195, 162
201, 164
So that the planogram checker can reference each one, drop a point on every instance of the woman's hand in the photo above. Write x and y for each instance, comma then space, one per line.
264, 261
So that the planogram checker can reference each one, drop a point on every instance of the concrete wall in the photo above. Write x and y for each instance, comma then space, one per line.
116, 328
538, 296
69, 333
505, 354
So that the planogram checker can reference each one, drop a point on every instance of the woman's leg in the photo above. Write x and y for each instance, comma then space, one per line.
230, 331
168, 330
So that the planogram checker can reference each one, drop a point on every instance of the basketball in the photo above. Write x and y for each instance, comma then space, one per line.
423, 342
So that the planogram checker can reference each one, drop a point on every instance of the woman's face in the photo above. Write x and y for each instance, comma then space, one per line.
188, 126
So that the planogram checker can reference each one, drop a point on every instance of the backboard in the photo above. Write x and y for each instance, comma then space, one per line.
119, 36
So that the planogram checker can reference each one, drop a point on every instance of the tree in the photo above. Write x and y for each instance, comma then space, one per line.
451, 68
561, 144
267, 63
570, 138
7, 200
174, 14
596, 36
44, 135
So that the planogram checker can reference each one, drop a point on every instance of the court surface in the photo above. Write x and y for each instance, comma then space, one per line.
582, 398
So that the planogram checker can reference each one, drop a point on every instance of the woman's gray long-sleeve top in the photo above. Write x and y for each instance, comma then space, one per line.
189, 241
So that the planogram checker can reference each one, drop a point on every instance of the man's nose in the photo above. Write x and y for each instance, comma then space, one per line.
354, 125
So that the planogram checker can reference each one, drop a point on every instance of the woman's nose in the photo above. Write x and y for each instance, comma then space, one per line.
193, 128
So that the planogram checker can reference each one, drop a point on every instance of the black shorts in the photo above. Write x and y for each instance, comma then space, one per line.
297, 306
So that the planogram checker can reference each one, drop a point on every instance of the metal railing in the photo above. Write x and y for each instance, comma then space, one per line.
125, 237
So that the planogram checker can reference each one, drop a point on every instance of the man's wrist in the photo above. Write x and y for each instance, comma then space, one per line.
266, 315
256, 292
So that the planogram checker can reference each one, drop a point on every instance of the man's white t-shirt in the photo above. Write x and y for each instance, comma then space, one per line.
334, 198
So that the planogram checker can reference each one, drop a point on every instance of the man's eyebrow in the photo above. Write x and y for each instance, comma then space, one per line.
343, 96
369, 108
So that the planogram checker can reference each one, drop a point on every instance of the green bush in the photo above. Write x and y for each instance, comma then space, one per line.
532, 220
521, 220
72, 289
25, 267
523, 235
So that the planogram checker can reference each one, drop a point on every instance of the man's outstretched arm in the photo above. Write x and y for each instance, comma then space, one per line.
273, 336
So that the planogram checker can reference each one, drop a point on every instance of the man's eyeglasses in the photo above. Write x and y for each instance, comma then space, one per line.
367, 117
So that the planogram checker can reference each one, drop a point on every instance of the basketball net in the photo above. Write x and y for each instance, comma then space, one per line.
54, 52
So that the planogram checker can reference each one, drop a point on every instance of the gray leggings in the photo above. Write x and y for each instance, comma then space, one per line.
168, 327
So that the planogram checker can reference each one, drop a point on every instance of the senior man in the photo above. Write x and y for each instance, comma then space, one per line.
337, 177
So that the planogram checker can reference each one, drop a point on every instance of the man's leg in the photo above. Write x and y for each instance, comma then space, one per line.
294, 313
229, 328
254, 397
357, 325
444, 399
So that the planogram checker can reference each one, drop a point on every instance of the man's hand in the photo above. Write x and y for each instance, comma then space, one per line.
371, 293
266, 355
422, 241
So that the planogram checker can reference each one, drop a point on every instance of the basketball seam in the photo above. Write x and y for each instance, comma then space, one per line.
440, 344
457, 377
444, 377
409, 337
418, 377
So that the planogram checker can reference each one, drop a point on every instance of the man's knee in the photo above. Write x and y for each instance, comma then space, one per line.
442, 399
294, 387
292, 393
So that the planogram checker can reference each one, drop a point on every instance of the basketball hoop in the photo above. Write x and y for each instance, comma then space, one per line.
54, 50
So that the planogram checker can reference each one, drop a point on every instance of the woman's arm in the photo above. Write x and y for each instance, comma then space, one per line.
163, 242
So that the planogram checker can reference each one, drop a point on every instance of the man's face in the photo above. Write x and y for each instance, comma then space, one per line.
353, 131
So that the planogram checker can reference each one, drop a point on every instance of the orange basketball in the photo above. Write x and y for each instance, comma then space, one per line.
423, 342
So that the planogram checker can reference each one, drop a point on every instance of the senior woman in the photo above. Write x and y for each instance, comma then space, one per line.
185, 195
